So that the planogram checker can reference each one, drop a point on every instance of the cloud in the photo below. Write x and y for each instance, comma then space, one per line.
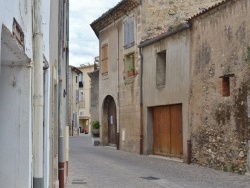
83, 43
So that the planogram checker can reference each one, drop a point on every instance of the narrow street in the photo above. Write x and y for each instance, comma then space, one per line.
105, 167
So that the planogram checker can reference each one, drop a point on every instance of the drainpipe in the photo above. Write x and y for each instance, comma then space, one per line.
141, 103
67, 88
38, 94
60, 125
118, 86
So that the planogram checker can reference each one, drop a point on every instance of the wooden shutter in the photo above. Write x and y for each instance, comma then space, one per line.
105, 59
131, 31
126, 33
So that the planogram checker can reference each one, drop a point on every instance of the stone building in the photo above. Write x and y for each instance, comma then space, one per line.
120, 30
219, 86
84, 104
165, 93
74, 100
94, 93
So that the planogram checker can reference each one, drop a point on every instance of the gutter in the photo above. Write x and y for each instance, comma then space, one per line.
60, 124
67, 89
38, 179
141, 102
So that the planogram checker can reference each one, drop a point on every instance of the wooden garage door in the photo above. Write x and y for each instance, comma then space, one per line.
167, 131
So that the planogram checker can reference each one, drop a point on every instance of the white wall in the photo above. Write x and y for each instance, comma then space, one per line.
15, 115
15, 98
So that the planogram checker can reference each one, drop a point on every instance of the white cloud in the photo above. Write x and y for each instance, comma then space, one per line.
83, 43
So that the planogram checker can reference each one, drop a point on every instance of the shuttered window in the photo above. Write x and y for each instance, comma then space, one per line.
105, 59
129, 32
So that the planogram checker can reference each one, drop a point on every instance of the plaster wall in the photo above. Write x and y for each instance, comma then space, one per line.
94, 95
21, 11
15, 126
219, 124
176, 89
108, 83
86, 97
73, 104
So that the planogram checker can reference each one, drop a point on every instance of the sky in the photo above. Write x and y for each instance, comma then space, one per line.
83, 43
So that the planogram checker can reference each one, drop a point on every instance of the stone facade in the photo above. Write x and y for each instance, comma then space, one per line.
175, 88
84, 103
161, 15
219, 123
150, 18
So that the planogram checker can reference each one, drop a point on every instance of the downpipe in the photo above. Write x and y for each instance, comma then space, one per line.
38, 180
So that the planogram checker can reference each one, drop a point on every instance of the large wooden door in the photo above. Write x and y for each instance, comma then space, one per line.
112, 130
167, 131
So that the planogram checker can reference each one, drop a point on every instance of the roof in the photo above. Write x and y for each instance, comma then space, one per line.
166, 33
75, 69
208, 9
113, 14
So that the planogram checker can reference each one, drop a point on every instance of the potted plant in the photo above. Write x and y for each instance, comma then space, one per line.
131, 67
95, 128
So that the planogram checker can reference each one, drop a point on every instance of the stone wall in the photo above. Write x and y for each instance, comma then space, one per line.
219, 125
94, 95
164, 14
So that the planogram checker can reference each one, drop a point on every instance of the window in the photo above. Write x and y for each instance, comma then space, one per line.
130, 64
161, 68
225, 87
18, 33
105, 59
225, 84
129, 32
76, 79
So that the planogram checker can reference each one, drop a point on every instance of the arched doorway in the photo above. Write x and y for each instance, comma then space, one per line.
110, 119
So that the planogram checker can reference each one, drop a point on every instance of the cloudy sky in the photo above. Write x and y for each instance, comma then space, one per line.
83, 43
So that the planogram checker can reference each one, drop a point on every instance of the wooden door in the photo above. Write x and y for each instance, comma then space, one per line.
112, 130
167, 131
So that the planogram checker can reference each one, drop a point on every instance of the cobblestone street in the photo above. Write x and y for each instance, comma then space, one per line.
105, 167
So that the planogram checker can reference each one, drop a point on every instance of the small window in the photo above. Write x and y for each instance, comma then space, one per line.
129, 32
76, 79
161, 68
130, 64
225, 86
104, 59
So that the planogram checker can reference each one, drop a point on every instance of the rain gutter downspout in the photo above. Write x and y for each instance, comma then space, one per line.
141, 101
60, 125
118, 86
38, 179
67, 89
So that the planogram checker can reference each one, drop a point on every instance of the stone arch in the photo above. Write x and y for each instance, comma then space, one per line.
109, 122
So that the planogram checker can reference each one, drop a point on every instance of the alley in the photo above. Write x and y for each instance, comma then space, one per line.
105, 167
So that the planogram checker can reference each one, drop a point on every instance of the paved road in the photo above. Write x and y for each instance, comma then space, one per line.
105, 167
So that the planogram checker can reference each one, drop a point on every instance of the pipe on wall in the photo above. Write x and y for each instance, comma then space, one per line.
38, 94
67, 88
60, 93
141, 101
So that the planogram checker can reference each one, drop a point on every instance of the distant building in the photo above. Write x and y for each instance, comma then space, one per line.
84, 104
94, 91
74, 100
